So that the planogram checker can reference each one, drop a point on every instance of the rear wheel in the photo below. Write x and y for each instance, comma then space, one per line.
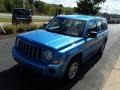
102, 48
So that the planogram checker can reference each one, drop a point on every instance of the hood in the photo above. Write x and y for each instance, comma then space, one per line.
49, 39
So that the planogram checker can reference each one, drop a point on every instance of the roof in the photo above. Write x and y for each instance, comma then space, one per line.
22, 8
80, 17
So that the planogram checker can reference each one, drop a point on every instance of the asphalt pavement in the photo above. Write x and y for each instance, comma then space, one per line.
92, 75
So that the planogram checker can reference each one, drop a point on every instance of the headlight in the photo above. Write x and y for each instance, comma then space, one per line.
48, 55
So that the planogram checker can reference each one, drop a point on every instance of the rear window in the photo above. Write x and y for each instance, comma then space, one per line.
21, 12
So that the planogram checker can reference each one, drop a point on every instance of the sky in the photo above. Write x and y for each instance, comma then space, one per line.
110, 6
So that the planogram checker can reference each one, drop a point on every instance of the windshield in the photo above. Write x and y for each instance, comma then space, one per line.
66, 26
21, 12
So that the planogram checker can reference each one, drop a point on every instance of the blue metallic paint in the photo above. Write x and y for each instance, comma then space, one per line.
39, 66
49, 39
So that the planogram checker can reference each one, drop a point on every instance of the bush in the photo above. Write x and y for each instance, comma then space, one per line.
9, 29
21, 28
32, 27
25, 27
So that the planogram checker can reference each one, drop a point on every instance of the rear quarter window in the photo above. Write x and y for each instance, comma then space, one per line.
99, 25
102, 25
105, 24
21, 12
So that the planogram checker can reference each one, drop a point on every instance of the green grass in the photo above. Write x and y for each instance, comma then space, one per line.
5, 19
39, 20
9, 20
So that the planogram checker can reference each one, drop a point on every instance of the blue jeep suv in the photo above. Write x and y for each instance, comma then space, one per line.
62, 46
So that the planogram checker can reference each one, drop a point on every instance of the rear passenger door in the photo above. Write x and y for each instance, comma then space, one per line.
101, 32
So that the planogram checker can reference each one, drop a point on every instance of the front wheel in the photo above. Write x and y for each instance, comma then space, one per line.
72, 70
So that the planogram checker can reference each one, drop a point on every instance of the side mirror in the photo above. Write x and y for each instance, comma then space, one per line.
92, 34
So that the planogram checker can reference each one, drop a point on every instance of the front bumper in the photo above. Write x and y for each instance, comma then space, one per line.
47, 70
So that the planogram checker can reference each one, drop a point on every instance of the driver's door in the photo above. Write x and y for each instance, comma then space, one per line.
90, 43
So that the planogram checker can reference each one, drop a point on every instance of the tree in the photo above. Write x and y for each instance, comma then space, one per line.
31, 1
2, 7
60, 10
31, 4
68, 10
88, 7
40, 6
9, 5
48, 10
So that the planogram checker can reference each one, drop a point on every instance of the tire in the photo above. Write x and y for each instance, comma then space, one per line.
72, 69
14, 23
101, 50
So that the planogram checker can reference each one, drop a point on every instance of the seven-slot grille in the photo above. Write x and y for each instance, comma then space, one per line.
28, 50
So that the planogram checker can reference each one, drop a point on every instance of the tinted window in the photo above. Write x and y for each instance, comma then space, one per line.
105, 25
66, 26
99, 25
92, 26
21, 12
